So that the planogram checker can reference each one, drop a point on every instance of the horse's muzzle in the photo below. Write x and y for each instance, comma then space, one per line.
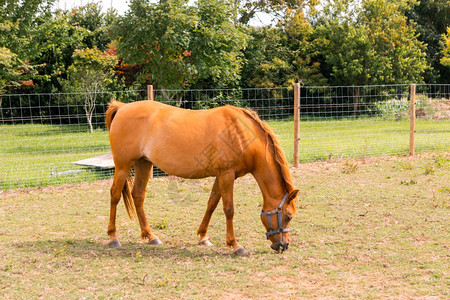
280, 246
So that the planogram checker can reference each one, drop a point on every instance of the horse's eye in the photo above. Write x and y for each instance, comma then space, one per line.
288, 218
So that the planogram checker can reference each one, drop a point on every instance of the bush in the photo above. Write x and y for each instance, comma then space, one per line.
392, 108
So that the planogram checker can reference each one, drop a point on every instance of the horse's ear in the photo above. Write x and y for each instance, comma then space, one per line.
292, 195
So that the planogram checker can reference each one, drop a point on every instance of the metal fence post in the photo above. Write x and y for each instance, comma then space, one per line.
412, 119
296, 122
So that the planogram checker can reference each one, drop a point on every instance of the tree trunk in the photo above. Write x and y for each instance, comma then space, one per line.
89, 106
170, 97
89, 119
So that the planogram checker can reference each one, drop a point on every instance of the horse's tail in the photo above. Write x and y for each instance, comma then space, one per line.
128, 198
113, 107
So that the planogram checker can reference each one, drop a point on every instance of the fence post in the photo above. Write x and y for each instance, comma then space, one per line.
296, 122
412, 119
150, 92
150, 98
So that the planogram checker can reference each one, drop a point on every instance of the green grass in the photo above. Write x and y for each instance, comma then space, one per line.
365, 137
369, 228
29, 153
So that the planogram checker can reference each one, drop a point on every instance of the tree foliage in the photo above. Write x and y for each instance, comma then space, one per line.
45, 40
181, 44
445, 60
370, 44
9, 65
216, 44
18, 21
278, 10
281, 56
177, 44
431, 18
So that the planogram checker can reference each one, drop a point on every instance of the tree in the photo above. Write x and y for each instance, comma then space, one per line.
431, 18
18, 20
445, 60
155, 36
370, 44
54, 42
266, 59
281, 55
395, 42
177, 45
216, 44
44, 40
9, 64
277, 9
96, 23
85, 27
91, 72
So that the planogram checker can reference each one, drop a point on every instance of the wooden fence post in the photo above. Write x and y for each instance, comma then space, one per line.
412, 119
150, 92
296, 122
150, 98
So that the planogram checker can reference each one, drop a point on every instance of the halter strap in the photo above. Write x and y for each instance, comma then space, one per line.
278, 212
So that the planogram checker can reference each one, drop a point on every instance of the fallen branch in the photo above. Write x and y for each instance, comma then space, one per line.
364, 214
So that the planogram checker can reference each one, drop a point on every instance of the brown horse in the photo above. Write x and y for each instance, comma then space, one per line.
226, 142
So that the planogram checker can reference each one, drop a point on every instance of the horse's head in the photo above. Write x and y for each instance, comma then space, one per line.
277, 221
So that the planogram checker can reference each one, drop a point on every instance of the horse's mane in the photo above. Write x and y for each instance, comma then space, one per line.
280, 158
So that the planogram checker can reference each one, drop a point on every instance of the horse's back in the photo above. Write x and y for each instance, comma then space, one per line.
182, 142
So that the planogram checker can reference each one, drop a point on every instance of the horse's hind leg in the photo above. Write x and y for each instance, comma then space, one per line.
214, 199
120, 177
142, 170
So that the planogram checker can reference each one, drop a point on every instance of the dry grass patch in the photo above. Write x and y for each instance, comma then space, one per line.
360, 234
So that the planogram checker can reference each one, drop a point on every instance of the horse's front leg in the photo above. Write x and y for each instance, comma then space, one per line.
214, 199
226, 184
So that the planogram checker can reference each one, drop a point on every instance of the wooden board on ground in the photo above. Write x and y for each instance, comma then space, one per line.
103, 162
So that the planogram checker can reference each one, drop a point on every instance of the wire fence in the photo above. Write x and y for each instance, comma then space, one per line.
42, 135
364, 121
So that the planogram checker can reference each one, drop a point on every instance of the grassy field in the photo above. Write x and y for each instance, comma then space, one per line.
368, 228
365, 137
29, 153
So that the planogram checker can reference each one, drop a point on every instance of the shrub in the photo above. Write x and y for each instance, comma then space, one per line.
392, 108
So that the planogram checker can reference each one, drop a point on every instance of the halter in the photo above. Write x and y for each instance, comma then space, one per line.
275, 211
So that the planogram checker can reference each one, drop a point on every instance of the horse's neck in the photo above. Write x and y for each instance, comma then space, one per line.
270, 182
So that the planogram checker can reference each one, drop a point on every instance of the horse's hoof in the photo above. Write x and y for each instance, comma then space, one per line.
114, 244
155, 242
205, 242
241, 252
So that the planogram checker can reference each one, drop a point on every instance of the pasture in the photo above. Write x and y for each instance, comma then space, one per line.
365, 228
